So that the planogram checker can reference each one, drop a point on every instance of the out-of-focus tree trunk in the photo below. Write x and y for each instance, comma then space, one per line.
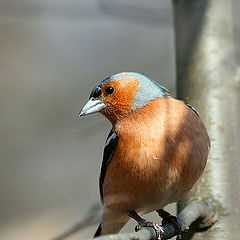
208, 79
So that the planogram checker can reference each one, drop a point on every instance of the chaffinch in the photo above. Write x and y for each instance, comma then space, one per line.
155, 152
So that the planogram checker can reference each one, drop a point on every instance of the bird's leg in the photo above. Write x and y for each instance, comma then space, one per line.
144, 223
168, 218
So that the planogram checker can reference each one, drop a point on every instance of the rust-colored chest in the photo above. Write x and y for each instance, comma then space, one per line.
161, 152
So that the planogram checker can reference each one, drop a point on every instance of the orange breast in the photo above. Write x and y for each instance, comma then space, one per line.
162, 151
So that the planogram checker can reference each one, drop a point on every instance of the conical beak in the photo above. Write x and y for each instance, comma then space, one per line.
92, 106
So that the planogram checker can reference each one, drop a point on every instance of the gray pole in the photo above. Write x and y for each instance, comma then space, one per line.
208, 79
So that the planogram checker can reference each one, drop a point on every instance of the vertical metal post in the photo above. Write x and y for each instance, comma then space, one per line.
208, 79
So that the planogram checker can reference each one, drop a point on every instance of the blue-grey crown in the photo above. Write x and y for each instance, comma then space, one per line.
148, 89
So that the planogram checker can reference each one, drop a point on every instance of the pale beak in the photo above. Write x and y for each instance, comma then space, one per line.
92, 106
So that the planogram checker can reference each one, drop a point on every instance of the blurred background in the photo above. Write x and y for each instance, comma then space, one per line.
52, 54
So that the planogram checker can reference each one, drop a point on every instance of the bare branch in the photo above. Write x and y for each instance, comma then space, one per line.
202, 210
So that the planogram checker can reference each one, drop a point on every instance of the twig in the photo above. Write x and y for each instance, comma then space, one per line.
202, 210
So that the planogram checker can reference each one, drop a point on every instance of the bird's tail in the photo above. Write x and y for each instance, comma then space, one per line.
110, 227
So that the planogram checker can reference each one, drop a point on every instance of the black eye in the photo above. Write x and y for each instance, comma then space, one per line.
109, 90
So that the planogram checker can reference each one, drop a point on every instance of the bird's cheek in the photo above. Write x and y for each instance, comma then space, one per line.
111, 105
110, 113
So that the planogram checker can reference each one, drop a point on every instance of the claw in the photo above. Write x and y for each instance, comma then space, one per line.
158, 229
168, 218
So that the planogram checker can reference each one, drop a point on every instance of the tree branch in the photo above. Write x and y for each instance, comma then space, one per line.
202, 210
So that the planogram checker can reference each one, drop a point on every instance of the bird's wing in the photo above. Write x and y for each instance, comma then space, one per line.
192, 108
109, 149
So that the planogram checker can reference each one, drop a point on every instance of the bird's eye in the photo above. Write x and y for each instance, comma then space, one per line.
109, 90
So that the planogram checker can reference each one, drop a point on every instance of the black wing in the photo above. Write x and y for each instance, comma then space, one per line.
194, 110
110, 147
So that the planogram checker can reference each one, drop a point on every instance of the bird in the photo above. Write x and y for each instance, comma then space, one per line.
155, 152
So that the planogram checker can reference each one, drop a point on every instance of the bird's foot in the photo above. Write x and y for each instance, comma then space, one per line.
168, 218
144, 223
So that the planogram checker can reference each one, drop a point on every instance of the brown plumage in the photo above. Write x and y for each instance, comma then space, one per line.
156, 151
161, 162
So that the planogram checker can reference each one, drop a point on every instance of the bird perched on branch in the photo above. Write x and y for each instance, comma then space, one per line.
156, 151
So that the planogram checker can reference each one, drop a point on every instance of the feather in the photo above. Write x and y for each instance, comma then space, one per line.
110, 147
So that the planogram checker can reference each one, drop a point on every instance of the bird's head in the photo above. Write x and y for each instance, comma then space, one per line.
122, 93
